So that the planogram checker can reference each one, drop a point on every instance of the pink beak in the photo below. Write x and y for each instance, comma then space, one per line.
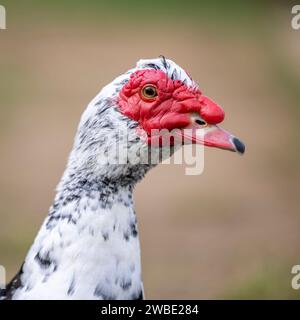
212, 136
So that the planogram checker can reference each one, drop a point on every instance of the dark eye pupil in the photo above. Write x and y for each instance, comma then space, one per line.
150, 91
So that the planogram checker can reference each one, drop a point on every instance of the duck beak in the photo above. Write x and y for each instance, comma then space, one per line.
212, 136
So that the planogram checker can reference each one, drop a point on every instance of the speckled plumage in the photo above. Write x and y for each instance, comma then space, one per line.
88, 246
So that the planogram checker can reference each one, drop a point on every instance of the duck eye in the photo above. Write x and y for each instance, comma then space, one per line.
149, 91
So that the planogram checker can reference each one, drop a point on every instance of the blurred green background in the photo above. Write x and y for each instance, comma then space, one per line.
232, 232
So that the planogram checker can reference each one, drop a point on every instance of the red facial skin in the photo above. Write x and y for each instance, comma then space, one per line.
172, 107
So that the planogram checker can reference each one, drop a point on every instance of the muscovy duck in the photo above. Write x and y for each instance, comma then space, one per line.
88, 246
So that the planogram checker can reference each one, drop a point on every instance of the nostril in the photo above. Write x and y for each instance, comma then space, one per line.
240, 147
200, 122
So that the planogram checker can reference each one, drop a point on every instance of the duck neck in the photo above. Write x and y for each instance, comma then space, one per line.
88, 246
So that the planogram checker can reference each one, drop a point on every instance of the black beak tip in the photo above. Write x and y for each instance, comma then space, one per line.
239, 146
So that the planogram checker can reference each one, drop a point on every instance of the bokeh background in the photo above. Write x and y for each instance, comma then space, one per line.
232, 232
